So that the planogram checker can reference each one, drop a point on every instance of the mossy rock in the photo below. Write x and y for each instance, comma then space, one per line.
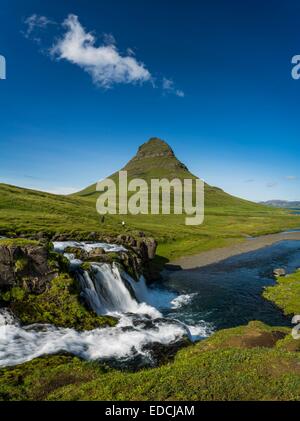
289, 344
18, 242
86, 266
21, 264
255, 334
57, 261
59, 305
104, 258
78, 252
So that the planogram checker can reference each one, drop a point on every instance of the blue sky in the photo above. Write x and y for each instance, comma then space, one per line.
212, 78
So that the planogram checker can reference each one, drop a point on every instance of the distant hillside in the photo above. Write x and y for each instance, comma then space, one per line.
282, 204
25, 210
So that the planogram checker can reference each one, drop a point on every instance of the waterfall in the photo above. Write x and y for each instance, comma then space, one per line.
105, 286
104, 289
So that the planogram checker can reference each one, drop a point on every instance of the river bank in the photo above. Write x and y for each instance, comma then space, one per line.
217, 255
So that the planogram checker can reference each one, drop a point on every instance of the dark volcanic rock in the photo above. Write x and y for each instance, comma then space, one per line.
137, 260
19, 264
164, 353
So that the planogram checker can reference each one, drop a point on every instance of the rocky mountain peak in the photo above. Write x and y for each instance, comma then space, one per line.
155, 147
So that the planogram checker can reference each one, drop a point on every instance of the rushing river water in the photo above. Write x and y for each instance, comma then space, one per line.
228, 294
188, 304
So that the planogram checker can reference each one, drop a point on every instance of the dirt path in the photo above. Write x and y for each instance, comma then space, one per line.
219, 254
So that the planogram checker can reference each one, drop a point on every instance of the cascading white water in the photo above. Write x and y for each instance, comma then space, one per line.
105, 291
60, 246
7, 318
108, 290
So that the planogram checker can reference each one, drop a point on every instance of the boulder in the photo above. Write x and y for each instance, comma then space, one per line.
151, 245
25, 264
279, 272
78, 253
96, 252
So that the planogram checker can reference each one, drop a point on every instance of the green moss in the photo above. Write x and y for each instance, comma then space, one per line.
15, 294
286, 293
86, 266
58, 305
74, 250
21, 264
113, 256
109, 257
18, 242
57, 261
289, 344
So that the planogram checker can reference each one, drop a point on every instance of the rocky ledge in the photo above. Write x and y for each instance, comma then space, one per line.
136, 260
25, 263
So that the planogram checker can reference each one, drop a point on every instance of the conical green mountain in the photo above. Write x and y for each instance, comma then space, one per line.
156, 159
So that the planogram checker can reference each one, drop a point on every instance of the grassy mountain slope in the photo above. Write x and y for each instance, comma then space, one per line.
227, 218
24, 210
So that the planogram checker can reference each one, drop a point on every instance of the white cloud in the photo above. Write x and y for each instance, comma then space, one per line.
104, 63
109, 39
291, 177
169, 87
36, 22
61, 190
272, 184
167, 84
180, 93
